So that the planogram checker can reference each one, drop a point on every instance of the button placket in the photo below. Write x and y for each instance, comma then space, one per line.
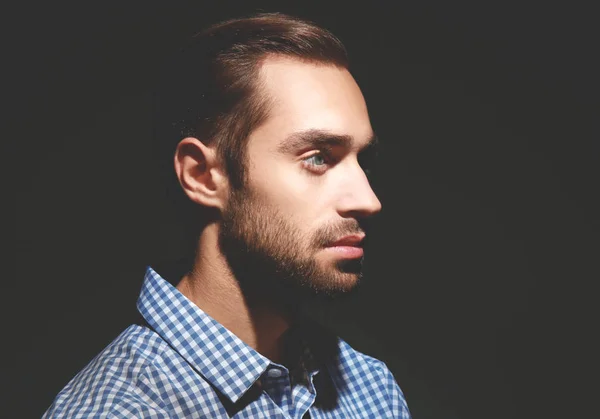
276, 382
274, 373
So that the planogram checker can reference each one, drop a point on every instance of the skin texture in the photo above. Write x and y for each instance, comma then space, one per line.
269, 247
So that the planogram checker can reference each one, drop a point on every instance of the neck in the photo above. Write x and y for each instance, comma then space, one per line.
212, 286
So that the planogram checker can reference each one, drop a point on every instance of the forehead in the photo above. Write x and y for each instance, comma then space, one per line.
307, 96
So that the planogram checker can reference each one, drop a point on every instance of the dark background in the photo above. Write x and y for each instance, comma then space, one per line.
479, 292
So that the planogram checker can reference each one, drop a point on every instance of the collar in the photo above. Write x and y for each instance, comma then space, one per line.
218, 355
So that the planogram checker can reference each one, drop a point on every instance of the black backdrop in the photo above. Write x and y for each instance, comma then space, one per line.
478, 291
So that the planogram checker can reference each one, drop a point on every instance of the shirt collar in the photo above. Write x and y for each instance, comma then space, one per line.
217, 354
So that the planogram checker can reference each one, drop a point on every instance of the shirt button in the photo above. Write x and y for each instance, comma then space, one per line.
274, 373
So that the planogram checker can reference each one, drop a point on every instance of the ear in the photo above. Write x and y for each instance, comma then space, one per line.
200, 174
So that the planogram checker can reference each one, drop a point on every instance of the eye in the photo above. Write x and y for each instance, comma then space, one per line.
316, 159
317, 162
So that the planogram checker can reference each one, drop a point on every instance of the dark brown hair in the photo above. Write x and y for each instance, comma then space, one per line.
212, 90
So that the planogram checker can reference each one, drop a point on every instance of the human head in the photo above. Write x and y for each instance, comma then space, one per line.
212, 89
252, 83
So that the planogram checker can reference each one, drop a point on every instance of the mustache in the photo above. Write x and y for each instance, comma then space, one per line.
332, 232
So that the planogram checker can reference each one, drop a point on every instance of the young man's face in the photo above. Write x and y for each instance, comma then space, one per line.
306, 188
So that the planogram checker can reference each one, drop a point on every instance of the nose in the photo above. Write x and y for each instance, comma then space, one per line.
358, 199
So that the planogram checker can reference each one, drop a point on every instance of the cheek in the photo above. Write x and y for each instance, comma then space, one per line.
266, 174
281, 185
304, 206
298, 197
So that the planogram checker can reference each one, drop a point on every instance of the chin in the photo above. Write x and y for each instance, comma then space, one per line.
339, 283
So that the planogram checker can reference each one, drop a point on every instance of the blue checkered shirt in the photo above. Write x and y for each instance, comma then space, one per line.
181, 363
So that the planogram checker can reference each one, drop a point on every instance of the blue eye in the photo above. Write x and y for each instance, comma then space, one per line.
317, 163
317, 160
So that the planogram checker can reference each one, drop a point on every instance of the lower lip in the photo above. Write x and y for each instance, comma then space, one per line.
349, 252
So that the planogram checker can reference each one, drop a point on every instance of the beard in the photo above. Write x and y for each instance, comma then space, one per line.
274, 260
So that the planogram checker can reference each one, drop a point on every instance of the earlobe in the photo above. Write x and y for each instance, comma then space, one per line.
199, 173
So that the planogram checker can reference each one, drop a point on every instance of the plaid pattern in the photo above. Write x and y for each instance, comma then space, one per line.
187, 365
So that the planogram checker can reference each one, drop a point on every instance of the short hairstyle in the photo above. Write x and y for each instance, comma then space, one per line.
211, 89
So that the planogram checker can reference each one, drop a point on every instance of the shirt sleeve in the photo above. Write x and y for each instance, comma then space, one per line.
110, 405
98, 395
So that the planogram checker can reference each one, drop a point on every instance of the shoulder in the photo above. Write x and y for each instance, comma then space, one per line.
117, 382
371, 378
353, 364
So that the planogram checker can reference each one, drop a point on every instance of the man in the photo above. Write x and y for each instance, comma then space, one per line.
272, 153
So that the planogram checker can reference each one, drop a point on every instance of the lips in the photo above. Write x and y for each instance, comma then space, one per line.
354, 240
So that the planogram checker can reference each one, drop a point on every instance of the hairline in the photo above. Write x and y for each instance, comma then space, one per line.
265, 101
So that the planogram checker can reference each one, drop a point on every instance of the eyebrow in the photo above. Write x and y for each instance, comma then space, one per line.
316, 138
